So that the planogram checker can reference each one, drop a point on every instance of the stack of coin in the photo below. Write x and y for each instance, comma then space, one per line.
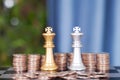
19, 62
33, 62
42, 61
89, 60
61, 61
69, 58
102, 62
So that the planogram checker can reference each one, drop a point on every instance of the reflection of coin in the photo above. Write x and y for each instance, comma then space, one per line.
44, 77
83, 75
30, 75
99, 75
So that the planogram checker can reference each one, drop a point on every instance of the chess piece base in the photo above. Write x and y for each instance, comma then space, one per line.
77, 67
47, 67
49, 63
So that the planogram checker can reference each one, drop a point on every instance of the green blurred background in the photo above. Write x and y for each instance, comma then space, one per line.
22, 23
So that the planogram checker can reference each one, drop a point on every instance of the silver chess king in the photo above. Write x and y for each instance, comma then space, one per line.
77, 63
49, 63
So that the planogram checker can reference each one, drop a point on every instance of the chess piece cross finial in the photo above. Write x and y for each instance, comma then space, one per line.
76, 29
48, 29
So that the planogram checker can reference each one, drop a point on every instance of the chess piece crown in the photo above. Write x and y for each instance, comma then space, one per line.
76, 37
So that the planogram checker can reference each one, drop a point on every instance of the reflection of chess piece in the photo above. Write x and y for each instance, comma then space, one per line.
77, 63
49, 63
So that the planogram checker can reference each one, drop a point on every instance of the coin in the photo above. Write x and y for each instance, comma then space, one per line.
20, 77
